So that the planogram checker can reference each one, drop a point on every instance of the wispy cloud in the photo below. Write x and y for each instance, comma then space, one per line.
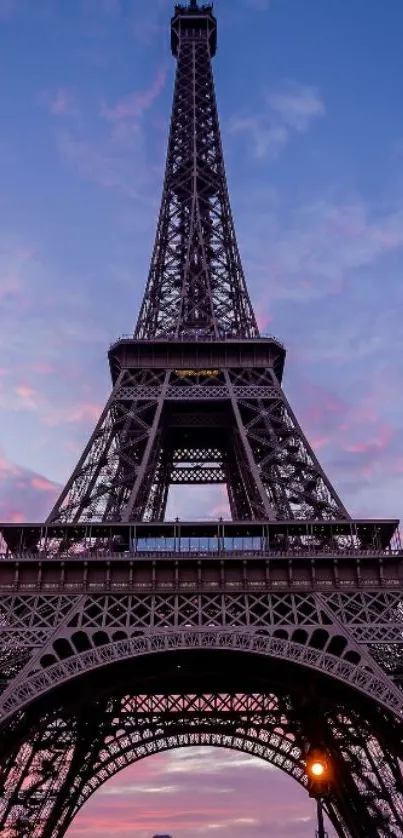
43, 368
14, 259
296, 106
61, 103
24, 495
317, 249
356, 442
240, 802
27, 397
87, 413
135, 104
108, 145
292, 108
138, 788
210, 761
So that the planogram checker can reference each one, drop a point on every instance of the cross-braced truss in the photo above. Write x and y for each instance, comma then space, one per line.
304, 601
347, 645
196, 308
60, 637
150, 437
196, 283
70, 754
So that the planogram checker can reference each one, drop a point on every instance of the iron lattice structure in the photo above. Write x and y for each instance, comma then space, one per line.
124, 634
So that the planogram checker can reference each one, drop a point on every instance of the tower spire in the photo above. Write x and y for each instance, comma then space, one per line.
277, 633
196, 282
197, 392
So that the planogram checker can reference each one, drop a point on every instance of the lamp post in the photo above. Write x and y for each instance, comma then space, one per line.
318, 771
321, 832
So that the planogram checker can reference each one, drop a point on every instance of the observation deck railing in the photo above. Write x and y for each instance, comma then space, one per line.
198, 337
88, 555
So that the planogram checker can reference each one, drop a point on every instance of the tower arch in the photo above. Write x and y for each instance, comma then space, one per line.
106, 604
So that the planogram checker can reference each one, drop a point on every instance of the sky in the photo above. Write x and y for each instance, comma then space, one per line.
309, 94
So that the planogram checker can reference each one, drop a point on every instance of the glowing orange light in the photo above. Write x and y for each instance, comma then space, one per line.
317, 768
319, 773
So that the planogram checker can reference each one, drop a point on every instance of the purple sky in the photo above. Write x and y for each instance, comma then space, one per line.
199, 792
310, 102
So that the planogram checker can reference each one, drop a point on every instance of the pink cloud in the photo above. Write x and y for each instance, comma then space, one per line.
135, 104
397, 465
42, 368
263, 320
24, 391
320, 410
28, 397
364, 421
16, 518
43, 485
62, 104
358, 428
381, 438
387, 238
319, 443
83, 413
367, 471
194, 791
329, 401
34, 492
11, 269
366, 410
6, 467
72, 447
221, 509
356, 447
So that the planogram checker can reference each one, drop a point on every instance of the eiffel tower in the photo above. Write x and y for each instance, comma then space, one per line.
124, 634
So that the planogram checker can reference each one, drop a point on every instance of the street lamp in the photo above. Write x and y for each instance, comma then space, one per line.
319, 774
317, 769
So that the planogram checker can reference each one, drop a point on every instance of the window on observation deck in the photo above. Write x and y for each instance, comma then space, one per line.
243, 543
154, 545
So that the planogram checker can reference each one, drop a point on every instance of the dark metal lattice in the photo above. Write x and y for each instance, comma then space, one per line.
303, 600
196, 283
72, 753
196, 305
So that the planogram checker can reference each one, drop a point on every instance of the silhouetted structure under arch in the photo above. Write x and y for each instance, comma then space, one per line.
123, 634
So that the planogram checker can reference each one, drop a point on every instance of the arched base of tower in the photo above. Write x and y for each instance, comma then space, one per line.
64, 746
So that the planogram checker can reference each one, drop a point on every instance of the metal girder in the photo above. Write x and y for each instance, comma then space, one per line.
74, 750
105, 640
59, 637
196, 282
267, 463
128, 729
196, 290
